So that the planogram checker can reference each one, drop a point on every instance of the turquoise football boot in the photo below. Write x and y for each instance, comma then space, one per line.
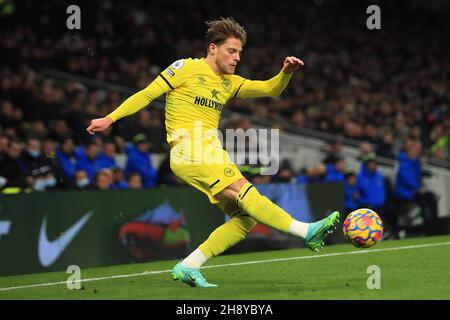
191, 276
318, 231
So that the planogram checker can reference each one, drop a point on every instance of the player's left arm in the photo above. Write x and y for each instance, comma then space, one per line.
272, 87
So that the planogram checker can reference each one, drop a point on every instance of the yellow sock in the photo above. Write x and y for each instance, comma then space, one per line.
227, 235
262, 209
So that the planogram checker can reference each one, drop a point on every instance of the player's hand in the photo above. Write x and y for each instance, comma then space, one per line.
291, 64
98, 125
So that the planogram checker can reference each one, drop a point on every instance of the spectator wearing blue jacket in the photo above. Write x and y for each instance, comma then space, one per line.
371, 185
408, 178
107, 158
335, 169
409, 188
119, 181
87, 159
66, 158
351, 192
138, 160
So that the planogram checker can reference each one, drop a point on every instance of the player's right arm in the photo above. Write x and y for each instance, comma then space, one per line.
169, 79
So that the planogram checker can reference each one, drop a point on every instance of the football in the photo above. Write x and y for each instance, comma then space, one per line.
363, 228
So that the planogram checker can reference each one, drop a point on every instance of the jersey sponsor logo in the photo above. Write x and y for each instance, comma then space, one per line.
226, 84
204, 102
228, 172
178, 64
170, 73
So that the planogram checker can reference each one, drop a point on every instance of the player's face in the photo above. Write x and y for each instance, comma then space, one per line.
228, 54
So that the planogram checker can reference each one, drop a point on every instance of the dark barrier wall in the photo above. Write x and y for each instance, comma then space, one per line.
48, 232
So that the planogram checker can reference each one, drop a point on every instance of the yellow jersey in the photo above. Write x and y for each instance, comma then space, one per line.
196, 95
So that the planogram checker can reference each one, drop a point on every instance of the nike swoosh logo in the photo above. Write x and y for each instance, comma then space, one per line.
49, 251
191, 277
4, 227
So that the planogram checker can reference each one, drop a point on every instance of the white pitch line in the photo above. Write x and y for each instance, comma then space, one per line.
235, 264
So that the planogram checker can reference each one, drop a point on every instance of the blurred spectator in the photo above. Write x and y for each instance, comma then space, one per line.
285, 173
34, 163
119, 181
60, 131
335, 167
333, 148
351, 192
139, 161
82, 181
9, 116
298, 119
385, 146
365, 149
4, 142
10, 168
409, 172
103, 180
135, 181
87, 159
45, 180
49, 153
409, 187
66, 158
371, 185
35, 129
107, 158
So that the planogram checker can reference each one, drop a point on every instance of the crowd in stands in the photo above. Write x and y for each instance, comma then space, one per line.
381, 87
388, 88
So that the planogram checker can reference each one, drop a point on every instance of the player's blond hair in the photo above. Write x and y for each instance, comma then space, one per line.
223, 28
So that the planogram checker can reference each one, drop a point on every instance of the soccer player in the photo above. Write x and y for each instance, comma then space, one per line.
196, 91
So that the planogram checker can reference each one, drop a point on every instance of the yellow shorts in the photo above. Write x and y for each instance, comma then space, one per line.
206, 167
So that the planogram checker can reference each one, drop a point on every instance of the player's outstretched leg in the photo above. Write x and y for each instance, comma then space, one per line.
268, 213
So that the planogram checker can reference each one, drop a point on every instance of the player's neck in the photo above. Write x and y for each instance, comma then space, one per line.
211, 63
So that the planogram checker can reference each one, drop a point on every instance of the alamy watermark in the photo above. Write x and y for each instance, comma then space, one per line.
74, 280
252, 146
374, 20
74, 20
374, 280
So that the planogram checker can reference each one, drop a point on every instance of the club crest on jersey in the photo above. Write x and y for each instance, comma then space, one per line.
178, 64
226, 84
228, 172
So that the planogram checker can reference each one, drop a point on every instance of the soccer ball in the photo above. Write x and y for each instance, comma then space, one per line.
363, 228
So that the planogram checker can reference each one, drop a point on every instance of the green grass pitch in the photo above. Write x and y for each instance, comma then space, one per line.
410, 269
